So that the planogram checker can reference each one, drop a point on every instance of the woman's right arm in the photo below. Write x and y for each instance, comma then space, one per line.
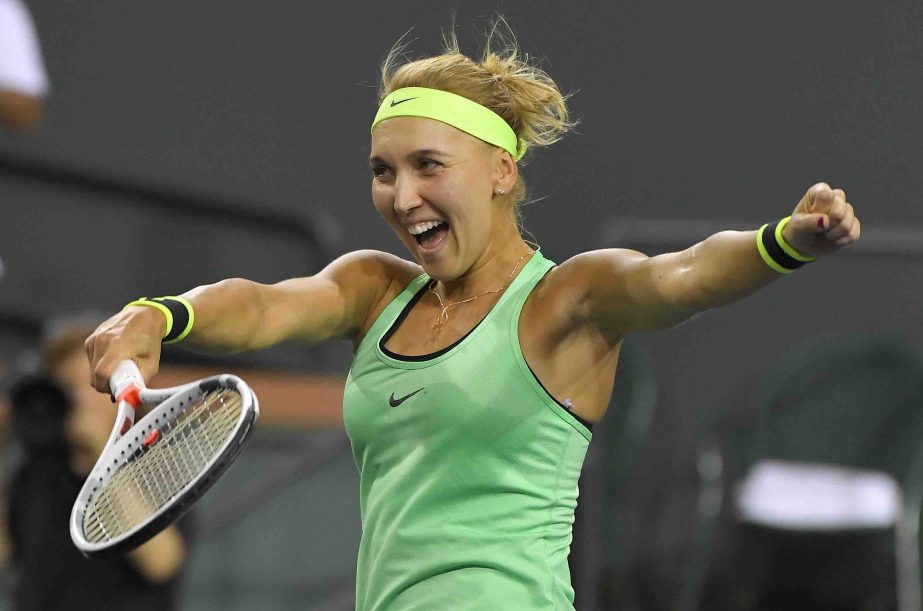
235, 315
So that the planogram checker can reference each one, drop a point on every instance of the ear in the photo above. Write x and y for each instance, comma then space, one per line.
506, 172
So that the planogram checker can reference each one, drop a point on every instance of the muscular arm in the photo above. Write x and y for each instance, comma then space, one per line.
628, 292
624, 291
237, 315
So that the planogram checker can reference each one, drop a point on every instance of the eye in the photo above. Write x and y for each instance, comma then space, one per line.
429, 164
380, 171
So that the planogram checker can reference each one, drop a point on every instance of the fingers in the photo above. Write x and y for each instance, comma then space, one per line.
102, 372
88, 345
819, 198
842, 218
131, 335
95, 347
852, 236
103, 358
802, 229
842, 225
822, 222
101, 367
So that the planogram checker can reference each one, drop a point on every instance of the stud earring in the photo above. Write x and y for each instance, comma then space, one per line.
501, 192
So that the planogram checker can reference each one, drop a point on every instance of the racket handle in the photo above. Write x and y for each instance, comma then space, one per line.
126, 374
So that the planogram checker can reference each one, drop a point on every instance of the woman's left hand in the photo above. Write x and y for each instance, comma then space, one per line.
823, 222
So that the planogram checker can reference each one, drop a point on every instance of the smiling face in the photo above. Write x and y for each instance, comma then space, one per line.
426, 172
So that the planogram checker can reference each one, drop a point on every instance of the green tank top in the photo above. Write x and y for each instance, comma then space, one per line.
468, 468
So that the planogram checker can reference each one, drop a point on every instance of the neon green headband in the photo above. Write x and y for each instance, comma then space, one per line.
451, 109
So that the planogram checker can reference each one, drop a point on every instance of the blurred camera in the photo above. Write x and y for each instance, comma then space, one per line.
37, 409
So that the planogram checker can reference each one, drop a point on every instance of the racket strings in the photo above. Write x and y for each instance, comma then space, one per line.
154, 474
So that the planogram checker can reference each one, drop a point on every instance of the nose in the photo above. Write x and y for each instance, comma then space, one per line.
406, 195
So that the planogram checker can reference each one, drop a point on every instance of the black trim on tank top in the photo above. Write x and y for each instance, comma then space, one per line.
425, 357
400, 319
588, 425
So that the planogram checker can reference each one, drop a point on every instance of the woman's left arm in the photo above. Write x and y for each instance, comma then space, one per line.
626, 291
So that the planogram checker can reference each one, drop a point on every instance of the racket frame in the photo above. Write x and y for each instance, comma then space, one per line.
128, 437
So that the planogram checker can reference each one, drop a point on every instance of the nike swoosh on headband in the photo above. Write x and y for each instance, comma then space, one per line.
455, 110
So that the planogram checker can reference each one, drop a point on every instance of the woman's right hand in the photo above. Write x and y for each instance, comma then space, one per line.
134, 333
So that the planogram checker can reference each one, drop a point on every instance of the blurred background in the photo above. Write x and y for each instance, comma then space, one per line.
153, 147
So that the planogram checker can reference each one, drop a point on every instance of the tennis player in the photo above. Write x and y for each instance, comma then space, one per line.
480, 365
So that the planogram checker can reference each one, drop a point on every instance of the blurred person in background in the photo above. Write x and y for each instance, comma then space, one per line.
24, 84
23, 80
61, 426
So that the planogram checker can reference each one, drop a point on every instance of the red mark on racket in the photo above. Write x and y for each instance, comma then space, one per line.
151, 439
131, 396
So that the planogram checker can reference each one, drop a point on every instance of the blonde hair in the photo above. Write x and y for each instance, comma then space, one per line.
505, 80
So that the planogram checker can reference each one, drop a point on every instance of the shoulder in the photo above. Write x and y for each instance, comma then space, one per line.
588, 294
373, 268
388, 274
588, 264
338, 301
579, 279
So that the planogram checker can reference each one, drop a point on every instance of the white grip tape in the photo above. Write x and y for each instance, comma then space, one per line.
125, 374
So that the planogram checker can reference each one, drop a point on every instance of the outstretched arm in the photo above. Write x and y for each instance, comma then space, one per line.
628, 292
236, 315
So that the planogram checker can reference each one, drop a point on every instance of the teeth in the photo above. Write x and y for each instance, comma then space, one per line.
425, 226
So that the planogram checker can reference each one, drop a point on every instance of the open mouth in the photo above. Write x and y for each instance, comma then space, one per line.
433, 236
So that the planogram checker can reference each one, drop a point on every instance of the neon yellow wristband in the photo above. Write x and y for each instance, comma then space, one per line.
765, 254
775, 251
178, 312
794, 254
190, 321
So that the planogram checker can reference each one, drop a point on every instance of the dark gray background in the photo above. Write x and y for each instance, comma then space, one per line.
724, 112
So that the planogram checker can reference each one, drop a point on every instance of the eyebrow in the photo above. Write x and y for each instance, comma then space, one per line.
412, 154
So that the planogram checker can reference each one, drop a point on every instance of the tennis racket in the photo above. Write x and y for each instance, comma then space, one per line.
151, 472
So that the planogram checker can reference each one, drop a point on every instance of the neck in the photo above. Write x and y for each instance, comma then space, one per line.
493, 270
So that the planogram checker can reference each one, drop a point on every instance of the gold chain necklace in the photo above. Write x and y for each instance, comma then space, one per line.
444, 316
